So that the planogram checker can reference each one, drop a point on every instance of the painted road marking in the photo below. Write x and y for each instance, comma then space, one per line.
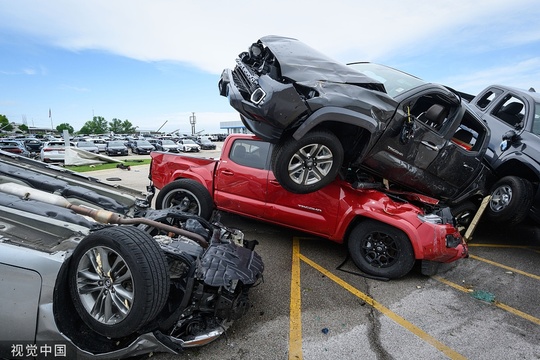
295, 332
295, 316
517, 271
496, 303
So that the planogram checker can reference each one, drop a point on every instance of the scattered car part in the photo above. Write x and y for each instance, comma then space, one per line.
141, 285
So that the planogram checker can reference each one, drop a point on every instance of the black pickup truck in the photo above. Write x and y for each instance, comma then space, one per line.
327, 118
513, 116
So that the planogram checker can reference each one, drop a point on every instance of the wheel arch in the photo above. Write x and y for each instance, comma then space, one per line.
353, 129
207, 183
407, 228
338, 115
516, 167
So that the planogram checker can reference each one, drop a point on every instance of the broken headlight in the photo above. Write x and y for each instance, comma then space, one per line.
439, 216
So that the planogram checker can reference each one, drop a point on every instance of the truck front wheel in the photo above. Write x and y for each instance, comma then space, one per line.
511, 199
192, 196
308, 164
381, 250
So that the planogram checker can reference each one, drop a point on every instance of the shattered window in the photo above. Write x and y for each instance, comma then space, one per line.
487, 98
395, 82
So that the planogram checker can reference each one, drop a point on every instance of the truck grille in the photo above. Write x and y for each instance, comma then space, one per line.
244, 79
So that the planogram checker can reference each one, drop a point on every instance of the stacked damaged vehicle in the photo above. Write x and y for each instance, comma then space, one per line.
93, 268
365, 122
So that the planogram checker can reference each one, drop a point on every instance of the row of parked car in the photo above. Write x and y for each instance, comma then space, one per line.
54, 150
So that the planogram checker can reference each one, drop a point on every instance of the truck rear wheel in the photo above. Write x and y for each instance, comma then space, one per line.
381, 250
511, 199
308, 164
192, 196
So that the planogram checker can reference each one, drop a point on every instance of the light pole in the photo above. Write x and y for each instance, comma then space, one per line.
192, 121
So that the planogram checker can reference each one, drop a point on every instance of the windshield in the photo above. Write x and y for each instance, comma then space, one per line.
143, 143
86, 144
188, 141
116, 143
168, 142
395, 82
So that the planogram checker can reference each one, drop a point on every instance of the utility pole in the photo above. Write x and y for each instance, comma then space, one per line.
192, 121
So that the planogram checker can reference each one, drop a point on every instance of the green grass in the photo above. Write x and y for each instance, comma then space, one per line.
94, 167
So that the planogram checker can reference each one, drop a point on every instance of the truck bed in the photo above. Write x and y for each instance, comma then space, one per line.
166, 166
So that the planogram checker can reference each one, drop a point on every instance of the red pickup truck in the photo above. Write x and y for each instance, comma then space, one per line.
386, 232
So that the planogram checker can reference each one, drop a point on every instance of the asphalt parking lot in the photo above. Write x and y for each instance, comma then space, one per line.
483, 307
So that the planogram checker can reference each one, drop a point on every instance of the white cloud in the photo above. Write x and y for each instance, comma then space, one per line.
209, 34
521, 75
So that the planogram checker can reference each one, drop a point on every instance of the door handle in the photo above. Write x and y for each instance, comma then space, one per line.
227, 172
430, 145
468, 167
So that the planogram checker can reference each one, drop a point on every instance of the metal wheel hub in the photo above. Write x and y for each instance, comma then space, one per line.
380, 250
501, 198
310, 164
105, 285
185, 200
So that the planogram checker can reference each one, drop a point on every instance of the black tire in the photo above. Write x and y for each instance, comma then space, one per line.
511, 199
191, 195
464, 213
381, 250
118, 280
298, 170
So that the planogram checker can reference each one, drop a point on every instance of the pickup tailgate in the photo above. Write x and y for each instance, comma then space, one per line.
167, 167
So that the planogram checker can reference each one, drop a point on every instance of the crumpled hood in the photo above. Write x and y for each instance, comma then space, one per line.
300, 62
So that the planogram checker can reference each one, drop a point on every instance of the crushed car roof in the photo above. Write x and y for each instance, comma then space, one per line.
296, 60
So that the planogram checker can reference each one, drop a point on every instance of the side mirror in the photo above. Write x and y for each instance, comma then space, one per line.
510, 135
507, 139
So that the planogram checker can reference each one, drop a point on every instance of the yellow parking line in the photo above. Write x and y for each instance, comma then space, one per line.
496, 303
503, 246
385, 311
533, 248
295, 315
517, 271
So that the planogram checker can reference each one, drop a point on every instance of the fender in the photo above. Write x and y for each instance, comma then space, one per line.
349, 220
507, 163
336, 114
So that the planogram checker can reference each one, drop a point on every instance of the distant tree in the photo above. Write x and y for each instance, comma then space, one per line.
121, 127
23, 127
65, 126
98, 125
4, 123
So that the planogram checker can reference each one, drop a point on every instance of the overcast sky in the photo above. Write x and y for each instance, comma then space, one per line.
156, 62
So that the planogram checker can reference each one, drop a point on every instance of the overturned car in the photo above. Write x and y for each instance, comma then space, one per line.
327, 118
93, 269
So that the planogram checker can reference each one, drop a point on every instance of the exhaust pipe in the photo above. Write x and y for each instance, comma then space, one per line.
101, 216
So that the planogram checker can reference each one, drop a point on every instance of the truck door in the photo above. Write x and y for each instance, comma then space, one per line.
316, 212
245, 185
416, 150
504, 111
241, 180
